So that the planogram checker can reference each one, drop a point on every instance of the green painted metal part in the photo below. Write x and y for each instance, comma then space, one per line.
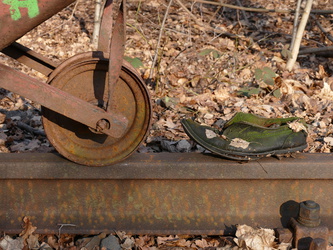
161, 193
259, 120
18, 17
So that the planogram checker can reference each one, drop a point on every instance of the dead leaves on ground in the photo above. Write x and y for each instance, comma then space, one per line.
245, 237
201, 74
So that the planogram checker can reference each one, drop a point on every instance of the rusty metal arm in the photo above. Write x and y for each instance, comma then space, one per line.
112, 40
62, 102
30, 58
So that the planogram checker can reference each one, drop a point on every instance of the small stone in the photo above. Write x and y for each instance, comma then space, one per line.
219, 123
201, 149
110, 243
95, 241
36, 121
183, 146
168, 146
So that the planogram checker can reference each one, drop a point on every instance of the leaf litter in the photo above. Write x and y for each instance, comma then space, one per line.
200, 74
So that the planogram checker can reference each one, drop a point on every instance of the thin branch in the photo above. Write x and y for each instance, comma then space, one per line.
67, 21
244, 14
97, 22
202, 24
326, 33
300, 31
159, 41
260, 9
190, 13
30, 129
296, 16
328, 49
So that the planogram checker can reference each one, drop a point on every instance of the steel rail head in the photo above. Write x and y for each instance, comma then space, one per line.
178, 193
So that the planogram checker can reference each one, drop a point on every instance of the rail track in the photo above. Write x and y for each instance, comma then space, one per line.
162, 193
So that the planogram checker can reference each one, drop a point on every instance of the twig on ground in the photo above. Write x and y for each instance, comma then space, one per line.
159, 41
326, 33
244, 14
260, 9
202, 24
324, 50
300, 31
190, 13
64, 225
67, 21
30, 129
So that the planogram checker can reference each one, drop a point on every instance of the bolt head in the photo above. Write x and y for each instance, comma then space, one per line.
309, 213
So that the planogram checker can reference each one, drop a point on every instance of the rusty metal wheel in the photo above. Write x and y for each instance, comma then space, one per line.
85, 76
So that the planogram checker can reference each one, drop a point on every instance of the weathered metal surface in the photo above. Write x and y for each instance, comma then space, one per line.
105, 31
19, 17
304, 228
309, 214
303, 236
30, 58
318, 244
117, 49
161, 193
61, 101
86, 77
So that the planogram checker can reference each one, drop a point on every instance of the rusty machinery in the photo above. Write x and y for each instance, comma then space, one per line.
95, 107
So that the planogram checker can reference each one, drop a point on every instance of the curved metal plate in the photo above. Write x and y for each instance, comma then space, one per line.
86, 76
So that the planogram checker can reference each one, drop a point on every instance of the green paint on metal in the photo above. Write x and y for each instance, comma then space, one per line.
15, 5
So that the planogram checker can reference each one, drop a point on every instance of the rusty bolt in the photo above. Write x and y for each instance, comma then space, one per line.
102, 125
309, 214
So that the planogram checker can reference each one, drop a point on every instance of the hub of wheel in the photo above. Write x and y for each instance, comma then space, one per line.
86, 77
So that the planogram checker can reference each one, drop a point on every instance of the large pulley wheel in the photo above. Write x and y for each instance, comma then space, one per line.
86, 76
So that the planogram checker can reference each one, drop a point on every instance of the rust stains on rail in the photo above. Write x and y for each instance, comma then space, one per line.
160, 193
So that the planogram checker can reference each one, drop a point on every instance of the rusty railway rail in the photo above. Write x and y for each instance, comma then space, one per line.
165, 193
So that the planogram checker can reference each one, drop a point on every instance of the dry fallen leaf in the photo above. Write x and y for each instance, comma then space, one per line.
239, 143
255, 239
329, 140
326, 92
28, 229
210, 134
297, 126
202, 243
128, 243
